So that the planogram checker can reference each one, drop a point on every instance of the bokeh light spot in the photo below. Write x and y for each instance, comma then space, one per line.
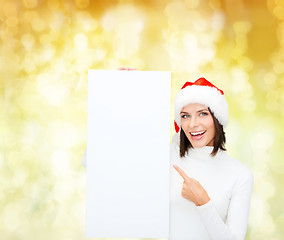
279, 12
81, 41
218, 21
108, 21
54, 92
28, 41
88, 23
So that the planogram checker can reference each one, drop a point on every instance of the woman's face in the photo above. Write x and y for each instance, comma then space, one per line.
198, 125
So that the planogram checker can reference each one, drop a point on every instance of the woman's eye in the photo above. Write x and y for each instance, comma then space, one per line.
184, 116
203, 114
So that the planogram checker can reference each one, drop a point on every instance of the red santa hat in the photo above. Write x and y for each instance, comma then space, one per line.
203, 92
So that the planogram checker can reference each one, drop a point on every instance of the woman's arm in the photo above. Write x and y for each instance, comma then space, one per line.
235, 226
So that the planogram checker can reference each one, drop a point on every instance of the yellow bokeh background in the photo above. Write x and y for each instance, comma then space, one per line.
47, 47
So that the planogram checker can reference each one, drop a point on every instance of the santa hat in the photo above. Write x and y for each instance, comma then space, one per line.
203, 92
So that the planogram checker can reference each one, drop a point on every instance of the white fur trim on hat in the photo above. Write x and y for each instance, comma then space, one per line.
208, 96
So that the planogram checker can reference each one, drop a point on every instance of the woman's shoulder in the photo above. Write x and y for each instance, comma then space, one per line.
244, 179
242, 170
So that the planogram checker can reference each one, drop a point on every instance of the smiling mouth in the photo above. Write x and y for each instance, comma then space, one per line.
194, 134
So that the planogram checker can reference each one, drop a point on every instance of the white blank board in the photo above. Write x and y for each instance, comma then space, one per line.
128, 154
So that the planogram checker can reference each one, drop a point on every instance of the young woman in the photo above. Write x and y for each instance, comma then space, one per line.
210, 191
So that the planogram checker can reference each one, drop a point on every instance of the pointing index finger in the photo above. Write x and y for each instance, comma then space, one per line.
181, 172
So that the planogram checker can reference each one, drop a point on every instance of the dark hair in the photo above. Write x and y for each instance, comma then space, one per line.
219, 139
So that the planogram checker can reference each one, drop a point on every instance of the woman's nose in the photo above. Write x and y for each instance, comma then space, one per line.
193, 122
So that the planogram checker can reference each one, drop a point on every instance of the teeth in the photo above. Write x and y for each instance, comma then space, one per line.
197, 133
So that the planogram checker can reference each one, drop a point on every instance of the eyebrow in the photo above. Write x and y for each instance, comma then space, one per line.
205, 109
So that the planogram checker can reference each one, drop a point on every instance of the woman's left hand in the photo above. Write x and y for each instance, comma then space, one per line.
127, 69
192, 189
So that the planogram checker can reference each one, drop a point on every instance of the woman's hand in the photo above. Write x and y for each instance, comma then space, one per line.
128, 69
192, 189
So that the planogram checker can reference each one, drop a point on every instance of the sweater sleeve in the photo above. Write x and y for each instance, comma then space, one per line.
235, 226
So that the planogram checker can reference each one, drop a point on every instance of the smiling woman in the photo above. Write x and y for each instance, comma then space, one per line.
200, 128
210, 192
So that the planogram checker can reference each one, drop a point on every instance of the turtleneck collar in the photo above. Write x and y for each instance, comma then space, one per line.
202, 153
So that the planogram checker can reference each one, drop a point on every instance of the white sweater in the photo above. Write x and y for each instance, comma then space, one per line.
229, 185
